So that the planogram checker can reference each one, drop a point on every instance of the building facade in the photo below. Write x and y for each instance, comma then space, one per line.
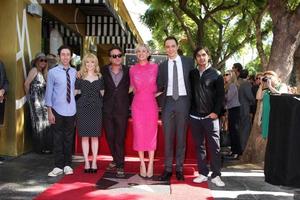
31, 26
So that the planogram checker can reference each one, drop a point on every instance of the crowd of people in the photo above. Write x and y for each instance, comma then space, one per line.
188, 96
242, 95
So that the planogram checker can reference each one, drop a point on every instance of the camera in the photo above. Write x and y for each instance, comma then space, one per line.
265, 79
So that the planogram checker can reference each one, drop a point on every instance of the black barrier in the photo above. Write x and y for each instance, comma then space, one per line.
282, 159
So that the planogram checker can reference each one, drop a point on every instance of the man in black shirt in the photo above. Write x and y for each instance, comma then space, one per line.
207, 96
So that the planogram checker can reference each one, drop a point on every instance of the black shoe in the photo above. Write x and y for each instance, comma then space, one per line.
233, 156
143, 177
93, 171
120, 173
165, 176
46, 152
179, 176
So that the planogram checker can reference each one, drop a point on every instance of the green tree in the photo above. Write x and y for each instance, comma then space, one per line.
285, 15
223, 26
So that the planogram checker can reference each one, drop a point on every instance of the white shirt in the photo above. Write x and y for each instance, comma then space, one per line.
181, 84
201, 72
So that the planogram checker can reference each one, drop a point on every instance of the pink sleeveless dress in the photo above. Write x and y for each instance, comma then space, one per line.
144, 109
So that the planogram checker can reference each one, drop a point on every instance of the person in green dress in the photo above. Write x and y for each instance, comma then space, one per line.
271, 84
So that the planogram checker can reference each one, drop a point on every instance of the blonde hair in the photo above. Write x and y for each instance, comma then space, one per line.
142, 46
273, 74
83, 69
270, 73
233, 79
44, 70
259, 74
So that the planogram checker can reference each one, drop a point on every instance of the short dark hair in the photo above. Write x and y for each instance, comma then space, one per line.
238, 66
244, 73
113, 48
201, 48
171, 38
64, 47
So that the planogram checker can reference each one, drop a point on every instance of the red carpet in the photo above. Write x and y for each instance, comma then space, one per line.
104, 150
82, 186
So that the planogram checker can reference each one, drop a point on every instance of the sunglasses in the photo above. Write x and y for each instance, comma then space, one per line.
257, 78
115, 56
43, 60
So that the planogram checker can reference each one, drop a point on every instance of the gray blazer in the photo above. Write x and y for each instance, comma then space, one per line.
162, 79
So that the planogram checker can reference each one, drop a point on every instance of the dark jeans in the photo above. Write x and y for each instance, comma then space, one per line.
63, 131
209, 129
115, 130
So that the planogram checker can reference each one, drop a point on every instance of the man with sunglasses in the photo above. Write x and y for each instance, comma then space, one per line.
116, 107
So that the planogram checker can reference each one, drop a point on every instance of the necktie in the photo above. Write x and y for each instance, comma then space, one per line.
175, 94
68, 85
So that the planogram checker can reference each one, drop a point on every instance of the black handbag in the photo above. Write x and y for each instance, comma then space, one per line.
224, 138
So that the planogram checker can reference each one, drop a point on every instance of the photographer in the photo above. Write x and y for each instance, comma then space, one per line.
271, 84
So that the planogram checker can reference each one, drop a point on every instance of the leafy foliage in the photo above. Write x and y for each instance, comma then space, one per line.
224, 27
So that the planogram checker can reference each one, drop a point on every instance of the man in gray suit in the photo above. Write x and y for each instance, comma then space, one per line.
246, 99
173, 82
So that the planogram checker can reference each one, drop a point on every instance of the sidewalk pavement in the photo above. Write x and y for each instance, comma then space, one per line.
24, 177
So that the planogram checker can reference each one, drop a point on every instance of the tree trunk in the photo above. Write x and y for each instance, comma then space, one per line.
297, 68
256, 146
286, 38
283, 49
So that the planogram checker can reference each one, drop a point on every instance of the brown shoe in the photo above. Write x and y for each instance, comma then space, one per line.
111, 166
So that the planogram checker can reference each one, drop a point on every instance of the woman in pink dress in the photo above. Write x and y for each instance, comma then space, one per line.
144, 108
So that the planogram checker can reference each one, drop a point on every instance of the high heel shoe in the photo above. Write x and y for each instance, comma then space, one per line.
150, 171
94, 168
143, 173
93, 171
86, 168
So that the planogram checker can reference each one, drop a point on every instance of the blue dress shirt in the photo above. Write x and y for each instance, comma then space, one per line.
56, 91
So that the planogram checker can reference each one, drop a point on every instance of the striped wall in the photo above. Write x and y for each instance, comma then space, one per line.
69, 37
107, 29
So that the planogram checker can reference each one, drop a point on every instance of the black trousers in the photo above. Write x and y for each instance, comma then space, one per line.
115, 131
233, 127
2, 108
209, 129
63, 132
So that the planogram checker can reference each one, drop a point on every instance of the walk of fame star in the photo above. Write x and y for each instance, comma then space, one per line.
132, 183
